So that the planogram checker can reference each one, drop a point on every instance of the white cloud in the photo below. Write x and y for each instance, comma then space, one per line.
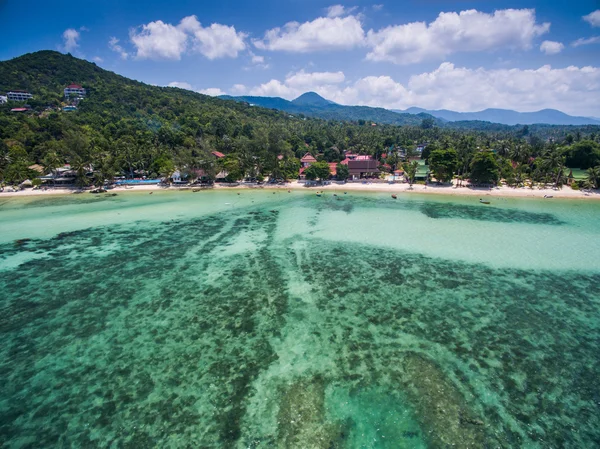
297, 83
212, 91
323, 33
216, 41
70, 38
181, 85
256, 59
588, 41
159, 40
113, 44
238, 89
551, 47
97, 59
593, 18
339, 10
455, 32
377, 7
572, 89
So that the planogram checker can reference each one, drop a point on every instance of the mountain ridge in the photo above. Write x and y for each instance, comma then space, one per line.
506, 116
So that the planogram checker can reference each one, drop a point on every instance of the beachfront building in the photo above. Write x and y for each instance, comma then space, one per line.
307, 160
360, 168
18, 95
74, 90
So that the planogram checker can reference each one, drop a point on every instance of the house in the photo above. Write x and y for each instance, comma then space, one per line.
218, 154
74, 90
177, 178
18, 95
364, 168
307, 160
333, 168
20, 109
3, 99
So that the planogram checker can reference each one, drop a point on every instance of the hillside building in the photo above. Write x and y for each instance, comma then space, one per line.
3, 99
18, 95
74, 90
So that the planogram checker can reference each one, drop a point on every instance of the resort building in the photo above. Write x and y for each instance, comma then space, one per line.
307, 160
74, 90
18, 95
218, 154
362, 168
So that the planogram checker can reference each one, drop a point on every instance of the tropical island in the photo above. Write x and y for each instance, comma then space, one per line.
69, 123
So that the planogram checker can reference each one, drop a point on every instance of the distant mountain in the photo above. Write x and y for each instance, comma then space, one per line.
311, 99
507, 116
313, 105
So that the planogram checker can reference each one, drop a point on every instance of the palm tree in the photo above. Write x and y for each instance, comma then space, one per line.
52, 161
411, 170
593, 176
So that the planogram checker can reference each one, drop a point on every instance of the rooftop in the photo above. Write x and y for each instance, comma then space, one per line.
308, 158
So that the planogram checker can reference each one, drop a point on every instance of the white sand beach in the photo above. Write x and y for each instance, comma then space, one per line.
398, 188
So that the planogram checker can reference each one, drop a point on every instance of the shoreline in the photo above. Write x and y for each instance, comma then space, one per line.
501, 191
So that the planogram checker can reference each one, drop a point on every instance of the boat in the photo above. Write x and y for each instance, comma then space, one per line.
394, 196
484, 202
318, 194
548, 196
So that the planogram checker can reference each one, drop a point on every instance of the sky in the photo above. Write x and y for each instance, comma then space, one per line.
436, 54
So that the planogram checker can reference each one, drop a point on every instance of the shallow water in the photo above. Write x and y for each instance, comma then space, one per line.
214, 319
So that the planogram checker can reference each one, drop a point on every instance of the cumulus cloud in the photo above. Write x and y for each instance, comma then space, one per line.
586, 41
339, 10
181, 85
70, 40
113, 44
572, 89
215, 41
455, 32
378, 7
551, 47
238, 89
297, 83
212, 91
97, 59
159, 40
323, 33
593, 18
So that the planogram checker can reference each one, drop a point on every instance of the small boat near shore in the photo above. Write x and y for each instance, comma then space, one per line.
395, 197
483, 202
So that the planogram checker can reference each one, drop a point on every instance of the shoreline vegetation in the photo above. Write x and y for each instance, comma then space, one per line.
445, 189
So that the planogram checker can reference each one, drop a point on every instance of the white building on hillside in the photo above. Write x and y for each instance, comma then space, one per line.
74, 90
3, 99
18, 95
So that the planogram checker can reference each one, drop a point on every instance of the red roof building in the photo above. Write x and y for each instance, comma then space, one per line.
74, 90
307, 159
218, 154
19, 110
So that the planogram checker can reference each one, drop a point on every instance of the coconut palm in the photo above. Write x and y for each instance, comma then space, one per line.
593, 176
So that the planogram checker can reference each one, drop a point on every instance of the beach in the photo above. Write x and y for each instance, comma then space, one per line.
397, 188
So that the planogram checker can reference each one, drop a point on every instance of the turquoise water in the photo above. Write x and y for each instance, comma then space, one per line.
213, 319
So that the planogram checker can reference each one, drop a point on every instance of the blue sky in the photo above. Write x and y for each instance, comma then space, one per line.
461, 55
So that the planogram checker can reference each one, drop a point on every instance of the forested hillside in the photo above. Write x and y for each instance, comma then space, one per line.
124, 127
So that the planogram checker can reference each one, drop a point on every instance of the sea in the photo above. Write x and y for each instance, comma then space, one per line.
276, 319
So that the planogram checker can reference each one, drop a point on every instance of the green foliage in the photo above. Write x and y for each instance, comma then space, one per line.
342, 172
318, 170
410, 168
484, 168
593, 177
126, 128
583, 154
443, 163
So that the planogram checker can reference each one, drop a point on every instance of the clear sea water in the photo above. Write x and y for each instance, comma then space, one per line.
284, 320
